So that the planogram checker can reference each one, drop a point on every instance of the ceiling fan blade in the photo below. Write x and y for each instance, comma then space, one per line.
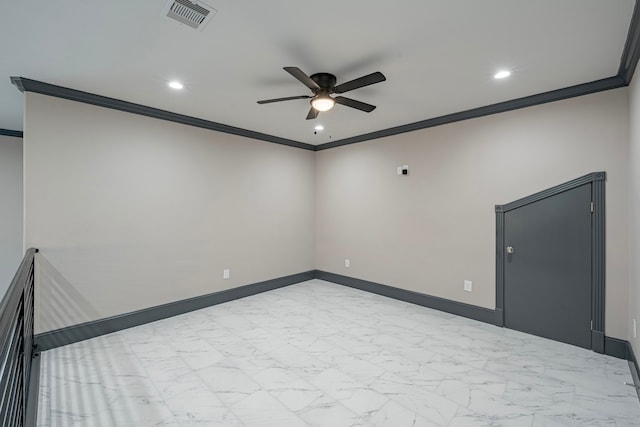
313, 113
354, 104
288, 98
363, 81
302, 77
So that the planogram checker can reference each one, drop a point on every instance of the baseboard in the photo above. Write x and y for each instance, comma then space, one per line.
96, 328
31, 413
616, 347
612, 346
634, 367
454, 307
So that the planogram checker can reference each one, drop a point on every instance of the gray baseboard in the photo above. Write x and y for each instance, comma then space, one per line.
31, 413
96, 328
612, 346
615, 347
454, 307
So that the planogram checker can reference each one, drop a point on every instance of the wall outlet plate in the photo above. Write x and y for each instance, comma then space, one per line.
347, 263
403, 170
226, 274
468, 285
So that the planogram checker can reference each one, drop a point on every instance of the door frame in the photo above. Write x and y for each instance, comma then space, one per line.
597, 181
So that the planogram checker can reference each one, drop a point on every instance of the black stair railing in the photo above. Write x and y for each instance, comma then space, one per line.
16, 344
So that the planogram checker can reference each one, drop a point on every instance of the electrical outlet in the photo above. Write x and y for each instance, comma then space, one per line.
468, 285
347, 263
226, 274
635, 331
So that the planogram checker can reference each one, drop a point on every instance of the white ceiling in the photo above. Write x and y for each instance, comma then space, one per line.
439, 56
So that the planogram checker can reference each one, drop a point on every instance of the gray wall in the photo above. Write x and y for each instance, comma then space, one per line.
132, 212
433, 229
10, 209
634, 214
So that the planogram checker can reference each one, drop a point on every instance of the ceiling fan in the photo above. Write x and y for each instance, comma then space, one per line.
323, 85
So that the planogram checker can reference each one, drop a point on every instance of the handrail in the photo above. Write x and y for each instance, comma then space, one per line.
16, 343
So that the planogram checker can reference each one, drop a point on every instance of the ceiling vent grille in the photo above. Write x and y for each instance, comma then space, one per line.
185, 12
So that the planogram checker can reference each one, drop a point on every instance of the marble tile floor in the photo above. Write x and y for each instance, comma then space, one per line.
321, 354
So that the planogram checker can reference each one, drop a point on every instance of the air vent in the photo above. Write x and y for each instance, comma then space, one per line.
191, 14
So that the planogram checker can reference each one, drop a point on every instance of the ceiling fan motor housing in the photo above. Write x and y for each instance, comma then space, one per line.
326, 81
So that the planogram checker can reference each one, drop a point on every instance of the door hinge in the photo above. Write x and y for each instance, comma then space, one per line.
591, 206
591, 325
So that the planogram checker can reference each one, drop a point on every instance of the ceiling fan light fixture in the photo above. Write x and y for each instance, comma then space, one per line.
323, 103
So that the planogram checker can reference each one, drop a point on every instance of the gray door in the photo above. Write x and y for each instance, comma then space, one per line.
547, 272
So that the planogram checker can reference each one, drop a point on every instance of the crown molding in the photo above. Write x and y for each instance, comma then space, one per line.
28, 85
628, 63
14, 133
501, 107
631, 52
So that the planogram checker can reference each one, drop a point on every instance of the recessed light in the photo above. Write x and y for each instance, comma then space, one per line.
174, 84
319, 127
502, 74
